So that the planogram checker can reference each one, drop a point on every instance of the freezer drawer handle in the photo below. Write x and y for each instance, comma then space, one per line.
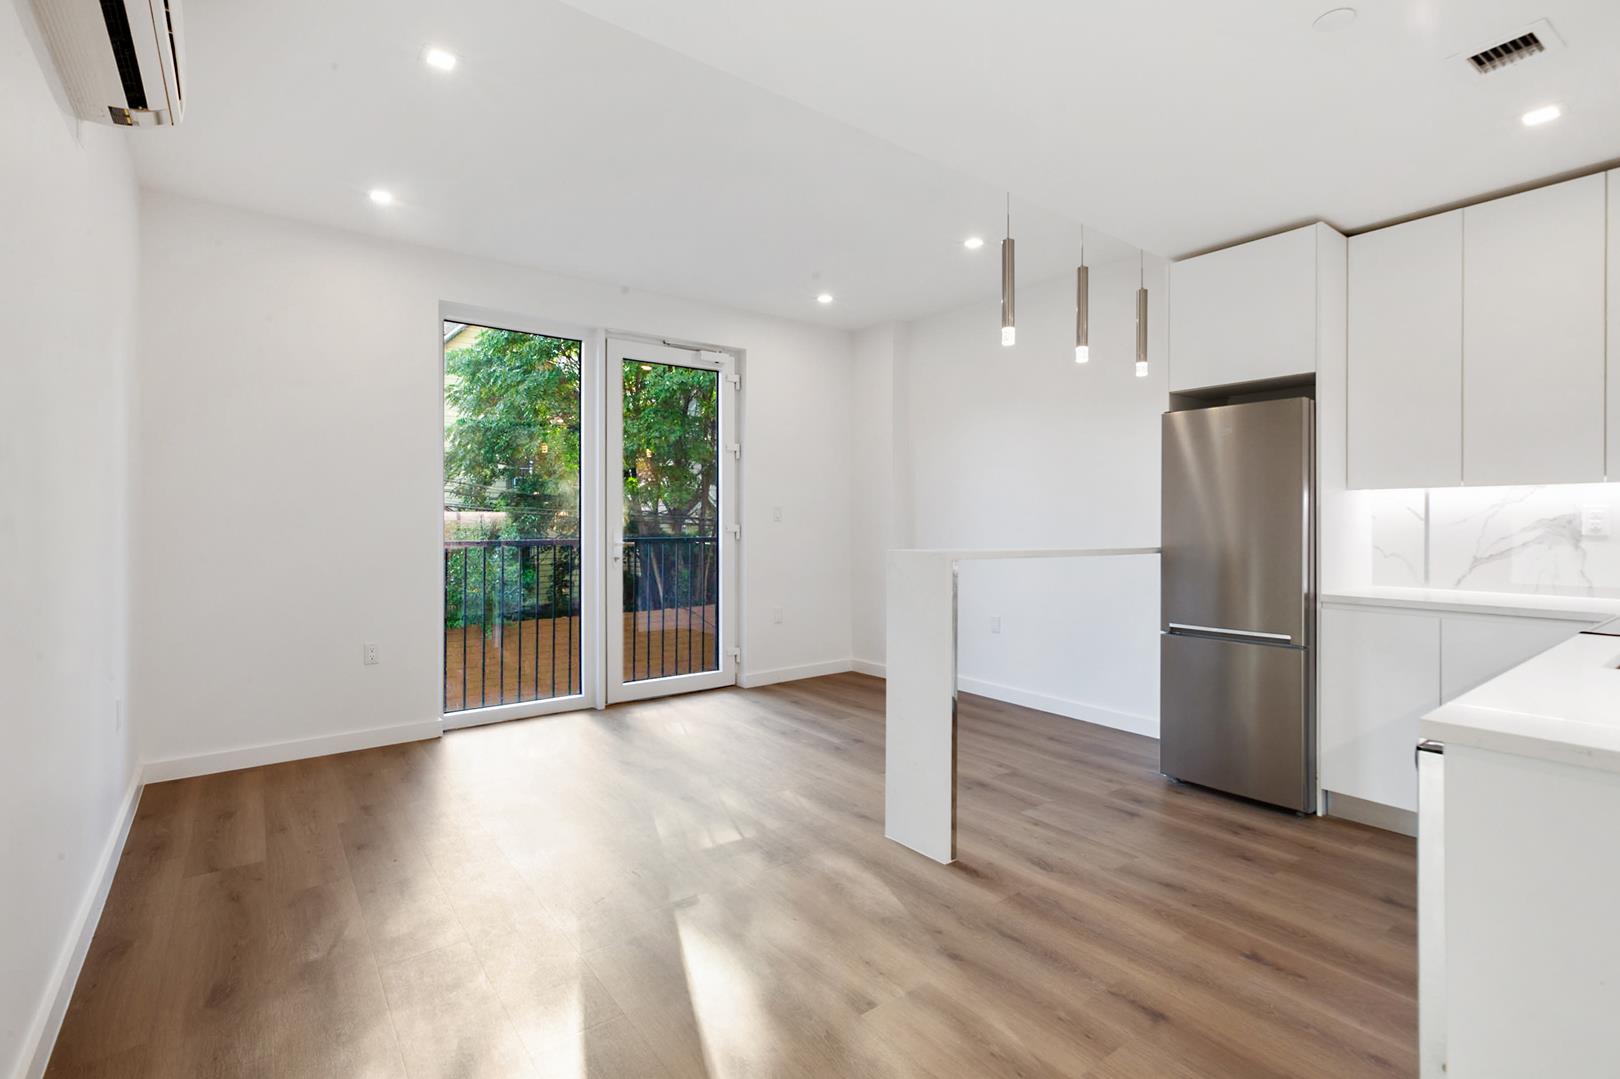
1178, 627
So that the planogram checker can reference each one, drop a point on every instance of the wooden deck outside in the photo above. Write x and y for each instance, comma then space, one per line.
539, 658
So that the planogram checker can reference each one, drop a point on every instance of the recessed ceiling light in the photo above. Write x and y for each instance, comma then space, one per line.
381, 196
973, 243
1335, 19
1545, 114
825, 297
443, 59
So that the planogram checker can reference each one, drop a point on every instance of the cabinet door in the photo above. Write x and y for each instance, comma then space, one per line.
1244, 313
1533, 336
1405, 366
1474, 650
1380, 672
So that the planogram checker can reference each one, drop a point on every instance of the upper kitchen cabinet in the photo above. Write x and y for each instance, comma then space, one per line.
1406, 354
1251, 312
1533, 336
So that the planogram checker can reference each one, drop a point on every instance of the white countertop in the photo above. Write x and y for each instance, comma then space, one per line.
1563, 706
1515, 604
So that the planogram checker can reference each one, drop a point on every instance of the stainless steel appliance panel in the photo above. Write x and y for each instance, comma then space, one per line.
1235, 519
1233, 718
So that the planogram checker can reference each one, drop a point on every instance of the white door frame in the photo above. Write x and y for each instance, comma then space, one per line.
590, 512
618, 349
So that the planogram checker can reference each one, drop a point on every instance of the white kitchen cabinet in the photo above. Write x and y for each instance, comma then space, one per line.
1379, 673
1614, 326
1533, 336
1475, 650
1251, 312
1381, 668
1405, 393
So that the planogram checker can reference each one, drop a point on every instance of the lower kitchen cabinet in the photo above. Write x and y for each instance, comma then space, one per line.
1379, 673
1380, 669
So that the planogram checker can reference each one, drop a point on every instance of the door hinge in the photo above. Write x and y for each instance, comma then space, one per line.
736, 655
736, 450
736, 531
735, 380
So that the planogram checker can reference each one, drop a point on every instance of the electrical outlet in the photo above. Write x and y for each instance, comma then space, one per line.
1595, 521
371, 655
995, 623
776, 615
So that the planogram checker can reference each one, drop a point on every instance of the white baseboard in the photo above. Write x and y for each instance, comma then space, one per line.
1062, 706
277, 752
750, 679
1372, 814
53, 1006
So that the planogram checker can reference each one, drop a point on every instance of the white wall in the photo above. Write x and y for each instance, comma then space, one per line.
290, 434
67, 313
875, 519
1022, 447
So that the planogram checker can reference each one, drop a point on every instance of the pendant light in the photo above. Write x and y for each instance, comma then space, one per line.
1141, 319
1082, 305
1008, 333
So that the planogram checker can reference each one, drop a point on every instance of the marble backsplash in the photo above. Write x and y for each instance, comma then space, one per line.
1553, 540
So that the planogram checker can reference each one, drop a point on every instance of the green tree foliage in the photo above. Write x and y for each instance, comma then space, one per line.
512, 436
671, 450
512, 441
512, 449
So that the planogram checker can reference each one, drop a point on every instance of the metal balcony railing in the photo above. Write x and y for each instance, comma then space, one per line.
512, 615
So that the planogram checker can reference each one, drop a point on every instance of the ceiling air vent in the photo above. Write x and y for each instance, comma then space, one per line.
1514, 48
1497, 57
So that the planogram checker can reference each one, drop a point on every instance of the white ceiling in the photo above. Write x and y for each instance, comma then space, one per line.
1183, 124
754, 154
566, 143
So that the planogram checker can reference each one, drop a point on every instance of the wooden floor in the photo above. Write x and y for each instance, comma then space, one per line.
700, 886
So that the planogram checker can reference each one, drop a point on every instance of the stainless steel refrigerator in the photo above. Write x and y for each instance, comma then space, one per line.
1238, 596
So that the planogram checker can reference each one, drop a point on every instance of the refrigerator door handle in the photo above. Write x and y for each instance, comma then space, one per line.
1240, 634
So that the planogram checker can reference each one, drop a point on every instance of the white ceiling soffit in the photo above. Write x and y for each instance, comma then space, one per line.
1183, 124
563, 142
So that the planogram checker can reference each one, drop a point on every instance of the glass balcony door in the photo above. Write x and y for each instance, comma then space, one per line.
671, 591
521, 510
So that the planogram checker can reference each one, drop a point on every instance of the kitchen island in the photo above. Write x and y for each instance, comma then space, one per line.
1519, 870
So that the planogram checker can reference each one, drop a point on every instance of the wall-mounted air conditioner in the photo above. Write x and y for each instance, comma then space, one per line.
120, 60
